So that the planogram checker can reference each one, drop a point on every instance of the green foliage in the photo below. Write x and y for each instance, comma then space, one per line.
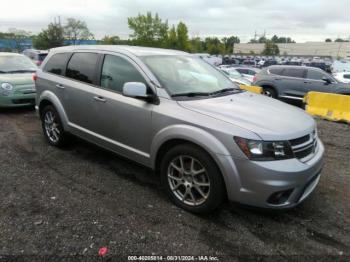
50, 37
77, 30
270, 48
229, 43
182, 37
340, 40
149, 30
115, 40
172, 38
328, 40
274, 39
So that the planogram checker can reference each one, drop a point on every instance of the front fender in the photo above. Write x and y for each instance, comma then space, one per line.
209, 143
51, 97
190, 133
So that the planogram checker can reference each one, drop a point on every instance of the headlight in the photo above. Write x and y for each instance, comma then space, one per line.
265, 151
6, 88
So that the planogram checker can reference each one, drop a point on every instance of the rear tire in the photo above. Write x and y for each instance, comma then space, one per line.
192, 179
269, 92
52, 127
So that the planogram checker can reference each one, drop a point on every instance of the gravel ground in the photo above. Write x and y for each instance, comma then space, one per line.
66, 204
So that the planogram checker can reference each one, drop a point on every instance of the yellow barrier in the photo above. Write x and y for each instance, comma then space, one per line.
254, 89
329, 106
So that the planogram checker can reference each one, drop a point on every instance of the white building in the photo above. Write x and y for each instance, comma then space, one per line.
300, 49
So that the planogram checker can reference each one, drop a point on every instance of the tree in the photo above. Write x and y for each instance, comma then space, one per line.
172, 38
77, 30
110, 40
229, 43
340, 40
214, 46
271, 48
149, 30
50, 37
328, 40
182, 37
196, 45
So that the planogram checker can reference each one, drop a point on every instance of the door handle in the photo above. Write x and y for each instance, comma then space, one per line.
60, 86
100, 99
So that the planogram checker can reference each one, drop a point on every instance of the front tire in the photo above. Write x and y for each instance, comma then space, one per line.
52, 127
192, 179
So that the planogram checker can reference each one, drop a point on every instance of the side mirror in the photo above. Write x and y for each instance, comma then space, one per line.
135, 89
326, 80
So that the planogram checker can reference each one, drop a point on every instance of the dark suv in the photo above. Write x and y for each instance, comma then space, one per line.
294, 82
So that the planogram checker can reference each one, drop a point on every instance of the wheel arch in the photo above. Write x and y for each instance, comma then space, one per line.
49, 98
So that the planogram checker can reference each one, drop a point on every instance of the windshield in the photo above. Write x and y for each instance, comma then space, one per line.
16, 64
186, 74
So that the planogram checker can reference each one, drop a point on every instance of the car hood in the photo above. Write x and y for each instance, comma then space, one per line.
17, 79
268, 118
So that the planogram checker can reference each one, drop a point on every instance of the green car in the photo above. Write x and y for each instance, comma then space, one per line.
17, 87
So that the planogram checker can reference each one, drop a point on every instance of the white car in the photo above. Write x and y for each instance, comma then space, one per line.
236, 77
247, 72
343, 77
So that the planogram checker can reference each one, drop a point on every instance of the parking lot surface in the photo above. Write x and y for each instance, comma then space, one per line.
74, 201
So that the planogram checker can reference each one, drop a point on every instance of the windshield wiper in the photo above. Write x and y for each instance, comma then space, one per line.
230, 89
192, 94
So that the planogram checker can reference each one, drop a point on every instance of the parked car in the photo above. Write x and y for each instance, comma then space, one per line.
16, 80
294, 82
37, 56
248, 72
343, 77
236, 77
207, 139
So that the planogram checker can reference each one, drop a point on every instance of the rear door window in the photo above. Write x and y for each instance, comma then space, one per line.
294, 72
57, 64
117, 71
276, 71
347, 76
82, 67
315, 75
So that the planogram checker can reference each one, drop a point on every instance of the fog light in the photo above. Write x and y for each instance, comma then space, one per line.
280, 197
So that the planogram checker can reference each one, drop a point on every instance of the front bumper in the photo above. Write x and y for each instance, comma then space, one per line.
17, 100
261, 183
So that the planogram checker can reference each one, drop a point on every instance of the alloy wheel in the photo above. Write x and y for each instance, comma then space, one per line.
188, 180
51, 126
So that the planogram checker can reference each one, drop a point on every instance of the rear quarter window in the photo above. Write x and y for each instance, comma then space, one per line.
347, 76
57, 64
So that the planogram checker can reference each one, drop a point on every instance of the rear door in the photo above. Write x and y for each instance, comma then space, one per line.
292, 83
314, 81
79, 89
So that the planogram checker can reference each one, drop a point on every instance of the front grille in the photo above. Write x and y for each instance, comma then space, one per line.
300, 140
304, 147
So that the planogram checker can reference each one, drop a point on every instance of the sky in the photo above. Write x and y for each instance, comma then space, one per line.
303, 20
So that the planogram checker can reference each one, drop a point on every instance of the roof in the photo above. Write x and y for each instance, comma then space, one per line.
135, 50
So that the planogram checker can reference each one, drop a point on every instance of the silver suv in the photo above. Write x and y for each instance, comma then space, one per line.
175, 113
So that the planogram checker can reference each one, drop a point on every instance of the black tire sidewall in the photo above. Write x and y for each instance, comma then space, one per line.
62, 137
217, 186
271, 90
